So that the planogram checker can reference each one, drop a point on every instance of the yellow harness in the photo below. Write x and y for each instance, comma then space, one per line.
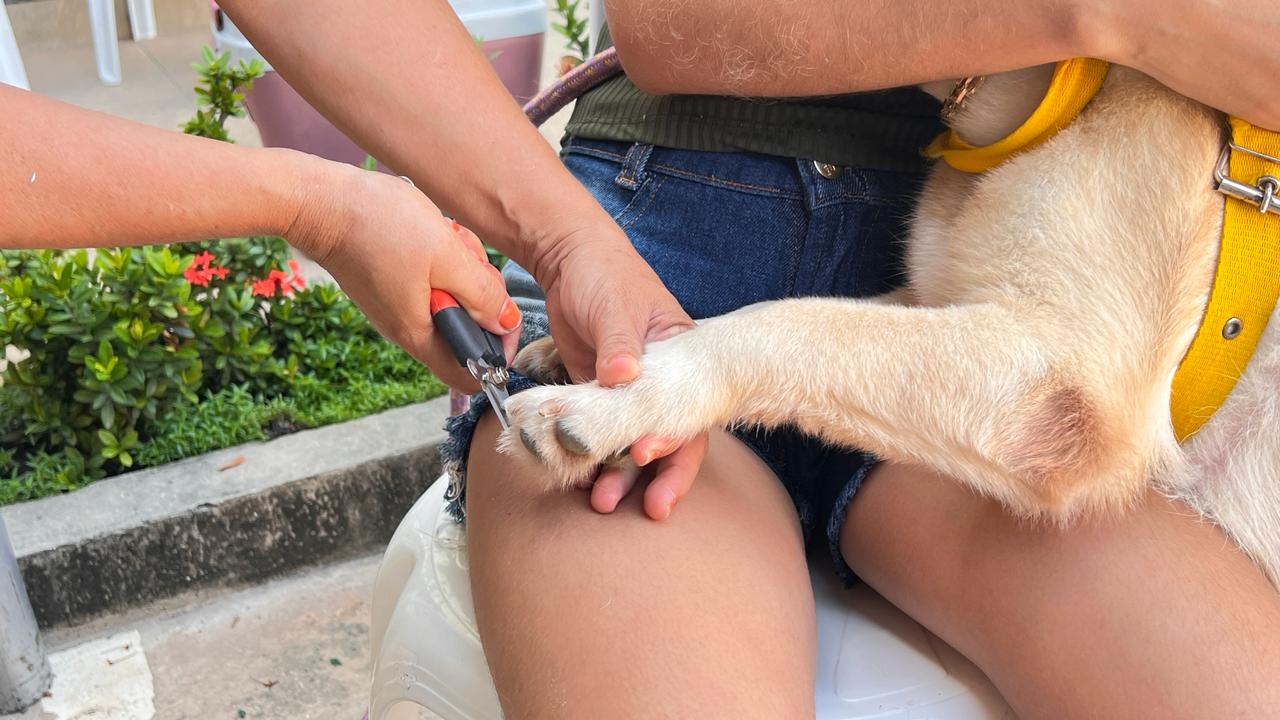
1246, 284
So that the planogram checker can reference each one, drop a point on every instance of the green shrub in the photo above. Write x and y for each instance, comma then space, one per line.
110, 344
220, 93
141, 355
574, 29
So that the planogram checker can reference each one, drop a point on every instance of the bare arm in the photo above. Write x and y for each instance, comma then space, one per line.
71, 177
1223, 54
414, 89
412, 86
76, 178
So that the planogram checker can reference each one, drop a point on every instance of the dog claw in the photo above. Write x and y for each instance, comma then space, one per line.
527, 440
571, 442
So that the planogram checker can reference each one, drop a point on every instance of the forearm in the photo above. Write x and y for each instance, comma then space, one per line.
422, 98
825, 47
76, 178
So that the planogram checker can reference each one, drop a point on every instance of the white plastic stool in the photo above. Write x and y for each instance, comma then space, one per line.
12, 72
873, 661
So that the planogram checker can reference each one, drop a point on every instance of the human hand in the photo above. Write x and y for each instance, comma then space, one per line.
387, 245
670, 466
604, 304
1223, 54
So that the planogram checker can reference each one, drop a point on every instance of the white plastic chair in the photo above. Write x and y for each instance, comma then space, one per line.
142, 19
12, 71
873, 661
106, 48
102, 23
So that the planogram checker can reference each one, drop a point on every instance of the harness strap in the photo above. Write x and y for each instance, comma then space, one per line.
1246, 284
1245, 289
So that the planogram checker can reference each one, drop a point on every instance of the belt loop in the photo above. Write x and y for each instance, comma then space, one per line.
633, 166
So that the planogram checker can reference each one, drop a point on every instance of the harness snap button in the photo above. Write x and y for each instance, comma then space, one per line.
827, 170
1233, 328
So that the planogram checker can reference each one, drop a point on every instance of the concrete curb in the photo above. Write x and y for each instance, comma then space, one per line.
315, 496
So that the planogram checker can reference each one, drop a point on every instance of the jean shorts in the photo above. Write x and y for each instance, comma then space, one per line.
724, 230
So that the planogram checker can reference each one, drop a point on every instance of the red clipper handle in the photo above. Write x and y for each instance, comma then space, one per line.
468, 340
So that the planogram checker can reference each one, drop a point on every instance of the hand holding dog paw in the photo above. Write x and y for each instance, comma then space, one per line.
674, 465
609, 438
605, 304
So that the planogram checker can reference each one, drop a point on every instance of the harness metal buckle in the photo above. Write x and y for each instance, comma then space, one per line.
1262, 193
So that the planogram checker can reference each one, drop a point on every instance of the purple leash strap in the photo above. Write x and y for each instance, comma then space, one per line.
577, 81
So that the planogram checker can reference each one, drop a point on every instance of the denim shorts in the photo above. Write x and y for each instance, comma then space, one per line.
724, 230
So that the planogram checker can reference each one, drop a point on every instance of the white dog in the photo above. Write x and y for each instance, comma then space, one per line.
1050, 302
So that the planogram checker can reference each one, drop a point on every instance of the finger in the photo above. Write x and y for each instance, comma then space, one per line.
612, 485
674, 478
415, 333
437, 356
476, 286
575, 353
510, 346
651, 447
471, 240
619, 340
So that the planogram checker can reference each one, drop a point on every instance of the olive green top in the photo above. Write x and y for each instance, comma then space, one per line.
883, 130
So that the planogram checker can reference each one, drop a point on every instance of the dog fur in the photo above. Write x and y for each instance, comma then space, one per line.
1051, 301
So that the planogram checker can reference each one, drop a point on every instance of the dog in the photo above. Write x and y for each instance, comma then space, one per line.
1049, 302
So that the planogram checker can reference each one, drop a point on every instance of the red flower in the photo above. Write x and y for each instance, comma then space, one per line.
278, 281
202, 270
295, 281
265, 287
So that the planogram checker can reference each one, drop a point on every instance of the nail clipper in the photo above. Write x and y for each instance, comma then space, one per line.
477, 350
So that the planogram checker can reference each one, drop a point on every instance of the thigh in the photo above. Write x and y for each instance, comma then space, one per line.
705, 615
1153, 614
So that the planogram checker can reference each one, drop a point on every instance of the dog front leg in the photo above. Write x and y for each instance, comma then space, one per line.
968, 390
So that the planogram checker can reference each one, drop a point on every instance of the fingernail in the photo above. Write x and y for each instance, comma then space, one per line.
509, 318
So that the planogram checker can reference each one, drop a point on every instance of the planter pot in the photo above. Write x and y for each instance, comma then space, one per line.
513, 33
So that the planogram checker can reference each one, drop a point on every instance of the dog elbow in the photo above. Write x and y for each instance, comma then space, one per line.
1061, 453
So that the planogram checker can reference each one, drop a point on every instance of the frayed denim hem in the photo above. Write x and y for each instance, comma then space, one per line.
835, 522
457, 446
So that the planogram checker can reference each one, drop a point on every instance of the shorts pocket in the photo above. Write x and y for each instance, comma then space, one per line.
598, 174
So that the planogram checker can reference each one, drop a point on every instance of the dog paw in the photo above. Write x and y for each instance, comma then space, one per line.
540, 361
573, 429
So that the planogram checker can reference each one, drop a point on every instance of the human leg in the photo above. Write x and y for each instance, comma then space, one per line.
705, 615
1151, 614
